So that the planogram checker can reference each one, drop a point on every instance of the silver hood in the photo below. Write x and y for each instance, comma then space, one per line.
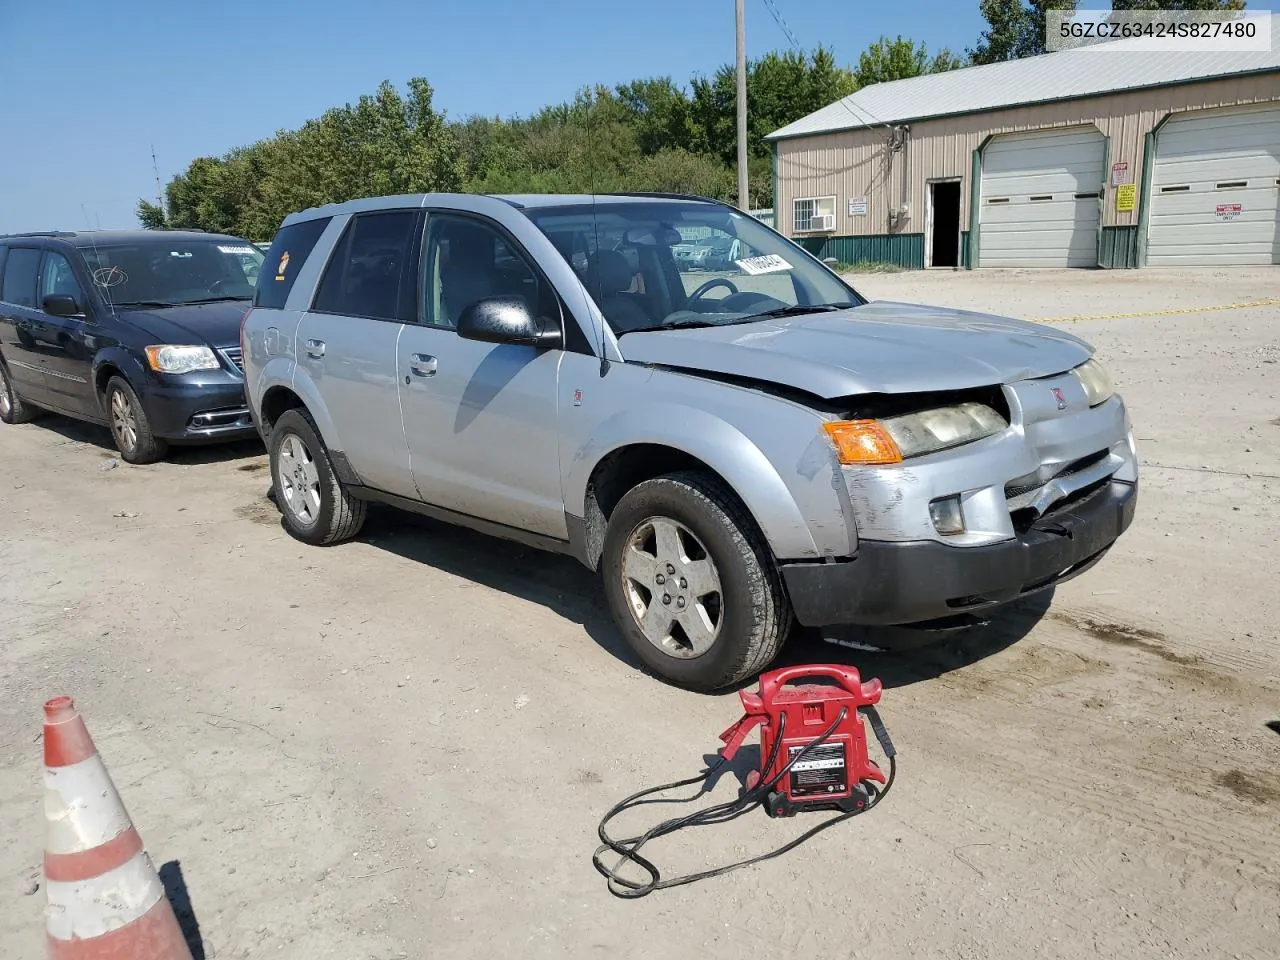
881, 347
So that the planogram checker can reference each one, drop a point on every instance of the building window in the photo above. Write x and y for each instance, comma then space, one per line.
814, 214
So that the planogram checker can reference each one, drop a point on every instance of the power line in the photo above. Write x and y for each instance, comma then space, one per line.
772, 7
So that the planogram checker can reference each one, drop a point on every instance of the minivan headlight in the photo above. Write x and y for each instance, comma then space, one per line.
894, 439
1096, 381
168, 358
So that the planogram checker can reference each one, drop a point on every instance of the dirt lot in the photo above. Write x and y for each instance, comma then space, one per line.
399, 748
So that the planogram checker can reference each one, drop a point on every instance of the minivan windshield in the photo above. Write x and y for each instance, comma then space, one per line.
659, 264
167, 272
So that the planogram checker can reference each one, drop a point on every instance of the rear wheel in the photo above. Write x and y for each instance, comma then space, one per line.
13, 409
129, 425
691, 582
316, 507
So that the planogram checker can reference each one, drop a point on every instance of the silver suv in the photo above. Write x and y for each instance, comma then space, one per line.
734, 451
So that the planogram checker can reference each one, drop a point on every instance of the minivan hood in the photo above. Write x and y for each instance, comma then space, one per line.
213, 324
880, 347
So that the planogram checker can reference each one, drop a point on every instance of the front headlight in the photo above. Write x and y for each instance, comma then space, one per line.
894, 439
1096, 381
932, 430
168, 358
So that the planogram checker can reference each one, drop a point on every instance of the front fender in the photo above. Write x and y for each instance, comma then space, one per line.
123, 360
717, 443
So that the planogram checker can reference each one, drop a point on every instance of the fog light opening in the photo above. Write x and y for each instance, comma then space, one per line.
947, 516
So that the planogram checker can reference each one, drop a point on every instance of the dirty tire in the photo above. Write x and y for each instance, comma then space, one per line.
138, 445
13, 409
755, 615
339, 516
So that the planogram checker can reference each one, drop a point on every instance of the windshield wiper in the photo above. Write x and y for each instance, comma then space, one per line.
145, 303
800, 309
216, 299
682, 323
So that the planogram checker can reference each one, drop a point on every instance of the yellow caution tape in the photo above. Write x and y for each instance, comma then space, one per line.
1243, 305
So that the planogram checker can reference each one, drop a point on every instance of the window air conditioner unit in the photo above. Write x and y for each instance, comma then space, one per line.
824, 222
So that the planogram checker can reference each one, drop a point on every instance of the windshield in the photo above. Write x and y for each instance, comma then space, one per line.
173, 272
656, 264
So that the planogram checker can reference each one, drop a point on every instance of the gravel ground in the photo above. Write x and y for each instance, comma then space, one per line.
400, 747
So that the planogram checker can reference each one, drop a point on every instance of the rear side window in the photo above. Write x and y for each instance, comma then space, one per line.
289, 251
373, 260
20, 277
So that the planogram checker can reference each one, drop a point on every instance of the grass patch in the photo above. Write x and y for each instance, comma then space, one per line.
869, 266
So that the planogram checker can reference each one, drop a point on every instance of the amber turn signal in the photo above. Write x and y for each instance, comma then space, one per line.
862, 442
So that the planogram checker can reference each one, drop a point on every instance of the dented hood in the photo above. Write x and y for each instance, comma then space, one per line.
880, 347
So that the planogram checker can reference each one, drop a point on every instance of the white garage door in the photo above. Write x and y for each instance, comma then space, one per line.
1215, 189
1040, 199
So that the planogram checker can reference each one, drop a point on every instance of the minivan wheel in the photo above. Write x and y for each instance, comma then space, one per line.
316, 507
130, 427
691, 582
12, 407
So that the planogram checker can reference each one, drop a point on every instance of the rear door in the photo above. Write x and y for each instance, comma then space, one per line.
481, 418
24, 355
69, 354
347, 342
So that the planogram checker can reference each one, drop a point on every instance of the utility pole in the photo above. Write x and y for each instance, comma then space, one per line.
744, 197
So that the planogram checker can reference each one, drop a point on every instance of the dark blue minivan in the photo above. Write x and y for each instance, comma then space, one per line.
136, 330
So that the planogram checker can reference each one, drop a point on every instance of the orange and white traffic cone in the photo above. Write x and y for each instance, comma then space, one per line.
105, 900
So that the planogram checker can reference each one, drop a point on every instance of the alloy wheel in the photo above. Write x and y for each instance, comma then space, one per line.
6, 401
299, 480
124, 421
672, 587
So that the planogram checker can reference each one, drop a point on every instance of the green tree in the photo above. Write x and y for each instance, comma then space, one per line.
151, 216
898, 59
1015, 29
781, 88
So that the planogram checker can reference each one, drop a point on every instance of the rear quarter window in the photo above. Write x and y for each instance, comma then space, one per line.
19, 286
289, 251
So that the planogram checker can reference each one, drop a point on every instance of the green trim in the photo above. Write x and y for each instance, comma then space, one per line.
1029, 103
975, 203
901, 249
1144, 206
1118, 247
1103, 197
966, 259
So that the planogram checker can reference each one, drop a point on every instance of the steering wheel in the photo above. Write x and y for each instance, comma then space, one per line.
711, 285
217, 287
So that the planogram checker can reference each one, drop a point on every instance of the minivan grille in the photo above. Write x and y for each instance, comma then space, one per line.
235, 357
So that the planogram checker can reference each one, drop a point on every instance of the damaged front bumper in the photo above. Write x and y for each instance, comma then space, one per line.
914, 581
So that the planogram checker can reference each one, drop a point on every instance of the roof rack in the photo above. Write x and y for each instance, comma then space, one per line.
657, 194
41, 233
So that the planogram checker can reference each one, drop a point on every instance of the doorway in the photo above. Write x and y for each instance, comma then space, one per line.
944, 197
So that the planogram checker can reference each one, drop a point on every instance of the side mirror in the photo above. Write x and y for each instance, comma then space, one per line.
830, 262
504, 320
61, 305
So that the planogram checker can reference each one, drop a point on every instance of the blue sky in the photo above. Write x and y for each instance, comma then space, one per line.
103, 82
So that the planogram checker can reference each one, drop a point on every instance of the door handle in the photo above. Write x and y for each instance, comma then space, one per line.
423, 364
315, 348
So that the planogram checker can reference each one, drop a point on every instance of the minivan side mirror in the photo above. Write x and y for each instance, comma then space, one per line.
505, 320
61, 305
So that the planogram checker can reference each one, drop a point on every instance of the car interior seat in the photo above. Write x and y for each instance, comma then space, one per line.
609, 277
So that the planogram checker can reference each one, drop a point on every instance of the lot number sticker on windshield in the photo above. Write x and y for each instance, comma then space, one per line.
229, 249
769, 263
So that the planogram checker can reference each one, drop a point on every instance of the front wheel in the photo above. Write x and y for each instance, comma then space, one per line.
316, 507
129, 425
691, 582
